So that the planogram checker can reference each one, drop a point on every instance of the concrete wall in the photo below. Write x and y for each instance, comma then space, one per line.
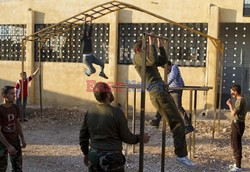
65, 83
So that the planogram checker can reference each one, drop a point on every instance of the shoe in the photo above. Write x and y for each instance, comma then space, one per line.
235, 169
185, 162
155, 123
102, 74
85, 71
232, 166
189, 129
25, 120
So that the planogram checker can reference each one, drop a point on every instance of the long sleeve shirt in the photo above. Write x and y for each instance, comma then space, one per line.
174, 77
152, 62
106, 128
86, 40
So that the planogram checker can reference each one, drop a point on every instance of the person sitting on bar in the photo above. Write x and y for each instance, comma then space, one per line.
160, 97
175, 80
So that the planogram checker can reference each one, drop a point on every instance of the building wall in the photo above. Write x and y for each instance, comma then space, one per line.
65, 83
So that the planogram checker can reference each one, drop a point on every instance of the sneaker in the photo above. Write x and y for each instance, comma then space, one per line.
189, 129
235, 169
85, 71
25, 120
102, 74
185, 162
155, 123
232, 166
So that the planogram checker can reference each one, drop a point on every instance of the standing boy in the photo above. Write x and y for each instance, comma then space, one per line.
11, 133
18, 86
238, 113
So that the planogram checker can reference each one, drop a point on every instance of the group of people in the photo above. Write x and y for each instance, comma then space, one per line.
105, 127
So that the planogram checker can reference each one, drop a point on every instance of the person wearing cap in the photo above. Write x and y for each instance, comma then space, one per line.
160, 97
104, 129
238, 113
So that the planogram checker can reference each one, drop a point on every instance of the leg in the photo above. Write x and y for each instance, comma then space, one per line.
165, 105
24, 107
3, 158
18, 103
16, 160
177, 96
88, 60
236, 140
101, 64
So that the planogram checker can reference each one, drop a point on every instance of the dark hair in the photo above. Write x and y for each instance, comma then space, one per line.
22, 73
6, 89
169, 63
237, 88
100, 91
137, 46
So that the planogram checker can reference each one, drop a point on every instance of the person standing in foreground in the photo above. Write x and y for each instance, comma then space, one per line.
25, 92
160, 97
11, 133
106, 128
238, 113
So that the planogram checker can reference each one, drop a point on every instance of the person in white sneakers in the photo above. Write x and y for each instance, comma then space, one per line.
238, 113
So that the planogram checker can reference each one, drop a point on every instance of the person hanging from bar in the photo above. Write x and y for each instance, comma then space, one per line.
18, 87
88, 57
105, 128
160, 97
175, 80
238, 113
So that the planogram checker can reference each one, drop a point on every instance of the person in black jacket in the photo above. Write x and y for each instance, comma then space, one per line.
88, 56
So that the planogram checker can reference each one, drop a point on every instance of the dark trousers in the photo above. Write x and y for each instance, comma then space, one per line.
177, 96
16, 160
22, 108
89, 59
237, 128
166, 106
105, 161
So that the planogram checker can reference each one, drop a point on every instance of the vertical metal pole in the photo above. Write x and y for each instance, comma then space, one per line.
134, 115
23, 55
126, 115
194, 122
40, 77
142, 113
190, 110
164, 125
221, 78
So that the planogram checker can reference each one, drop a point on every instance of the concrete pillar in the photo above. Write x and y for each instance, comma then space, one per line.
30, 61
212, 58
113, 50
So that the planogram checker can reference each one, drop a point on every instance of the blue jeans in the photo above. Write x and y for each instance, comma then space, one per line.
19, 104
89, 59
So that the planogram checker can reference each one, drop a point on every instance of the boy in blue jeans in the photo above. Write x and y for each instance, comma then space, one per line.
88, 56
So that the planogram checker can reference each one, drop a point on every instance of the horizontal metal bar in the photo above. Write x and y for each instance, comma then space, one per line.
156, 36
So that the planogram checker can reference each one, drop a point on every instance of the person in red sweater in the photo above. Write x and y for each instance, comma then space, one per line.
25, 92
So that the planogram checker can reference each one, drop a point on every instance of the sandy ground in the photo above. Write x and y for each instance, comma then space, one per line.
52, 140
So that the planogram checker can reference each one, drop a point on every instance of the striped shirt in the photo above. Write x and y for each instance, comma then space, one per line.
174, 77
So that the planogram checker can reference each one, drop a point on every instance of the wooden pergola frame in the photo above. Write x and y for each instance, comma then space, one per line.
101, 10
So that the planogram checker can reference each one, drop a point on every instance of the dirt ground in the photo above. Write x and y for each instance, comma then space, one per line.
52, 140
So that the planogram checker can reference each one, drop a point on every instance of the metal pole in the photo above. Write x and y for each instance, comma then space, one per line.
40, 77
194, 122
23, 55
163, 145
142, 113
221, 78
126, 115
190, 110
134, 115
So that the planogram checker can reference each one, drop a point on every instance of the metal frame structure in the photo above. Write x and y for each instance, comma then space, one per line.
96, 12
